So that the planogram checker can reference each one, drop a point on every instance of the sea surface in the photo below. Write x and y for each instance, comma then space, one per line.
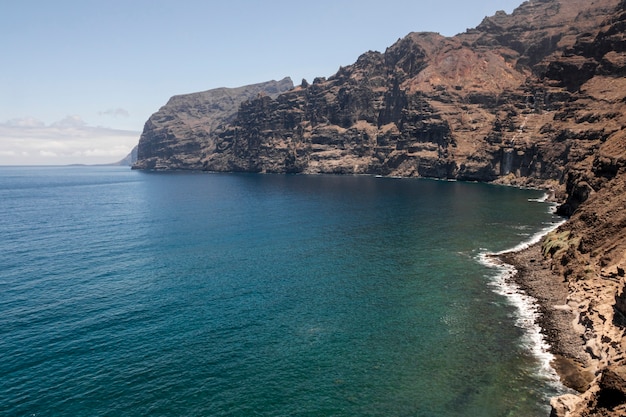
126, 293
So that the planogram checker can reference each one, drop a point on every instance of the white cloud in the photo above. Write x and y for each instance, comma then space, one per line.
70, 121
115, 113
25, 122
69, 141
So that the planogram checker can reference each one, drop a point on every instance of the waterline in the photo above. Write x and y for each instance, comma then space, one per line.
526, 306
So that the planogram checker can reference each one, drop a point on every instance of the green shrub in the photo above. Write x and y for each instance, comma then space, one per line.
556, 243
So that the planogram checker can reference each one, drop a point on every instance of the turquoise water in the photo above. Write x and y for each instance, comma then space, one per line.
181, 294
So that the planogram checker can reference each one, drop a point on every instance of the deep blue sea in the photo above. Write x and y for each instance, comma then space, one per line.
126, 293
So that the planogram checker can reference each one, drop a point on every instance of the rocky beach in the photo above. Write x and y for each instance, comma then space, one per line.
577, 322
534, 278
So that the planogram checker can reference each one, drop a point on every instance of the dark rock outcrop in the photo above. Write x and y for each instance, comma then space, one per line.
178, 134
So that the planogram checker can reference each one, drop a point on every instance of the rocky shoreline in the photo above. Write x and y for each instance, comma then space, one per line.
568, 327
536, 279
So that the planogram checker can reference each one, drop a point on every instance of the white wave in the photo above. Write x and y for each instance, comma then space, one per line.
541, 199
536, 238
527, 307
527, 315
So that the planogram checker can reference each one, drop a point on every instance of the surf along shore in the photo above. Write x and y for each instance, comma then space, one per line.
578, 323
556, 318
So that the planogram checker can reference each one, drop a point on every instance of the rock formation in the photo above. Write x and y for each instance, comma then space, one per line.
532, 98
176, 136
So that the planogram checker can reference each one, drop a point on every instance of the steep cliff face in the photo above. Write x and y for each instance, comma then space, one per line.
532, 98
176, 135
496, 103
502, 102
592, 254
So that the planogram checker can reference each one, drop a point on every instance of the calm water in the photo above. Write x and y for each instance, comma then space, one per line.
125, 293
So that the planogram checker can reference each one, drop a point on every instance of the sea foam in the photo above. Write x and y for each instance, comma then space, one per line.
526, 306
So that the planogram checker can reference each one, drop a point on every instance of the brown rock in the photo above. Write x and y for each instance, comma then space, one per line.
176, 136
620, 299
612, 392
476, 106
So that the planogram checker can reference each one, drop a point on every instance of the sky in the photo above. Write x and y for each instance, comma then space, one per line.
79, 78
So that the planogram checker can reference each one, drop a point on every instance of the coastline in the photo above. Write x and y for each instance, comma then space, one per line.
577, 321
543, 298
556, 318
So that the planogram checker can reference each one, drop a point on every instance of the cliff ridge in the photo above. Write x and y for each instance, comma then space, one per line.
175, 136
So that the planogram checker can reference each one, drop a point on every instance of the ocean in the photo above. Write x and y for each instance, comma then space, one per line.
128, 293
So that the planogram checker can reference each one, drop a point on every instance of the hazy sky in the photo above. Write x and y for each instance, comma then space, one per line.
79, 78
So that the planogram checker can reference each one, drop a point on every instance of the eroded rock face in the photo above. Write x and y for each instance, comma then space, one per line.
178, 134
606, 398
620, 298
515, 100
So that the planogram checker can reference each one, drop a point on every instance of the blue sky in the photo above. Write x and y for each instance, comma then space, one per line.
79, 78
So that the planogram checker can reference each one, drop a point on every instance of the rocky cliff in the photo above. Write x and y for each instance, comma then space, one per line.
495, 103
532, 98
519, 99
177, 135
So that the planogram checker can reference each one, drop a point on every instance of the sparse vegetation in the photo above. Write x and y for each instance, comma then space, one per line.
557, 243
